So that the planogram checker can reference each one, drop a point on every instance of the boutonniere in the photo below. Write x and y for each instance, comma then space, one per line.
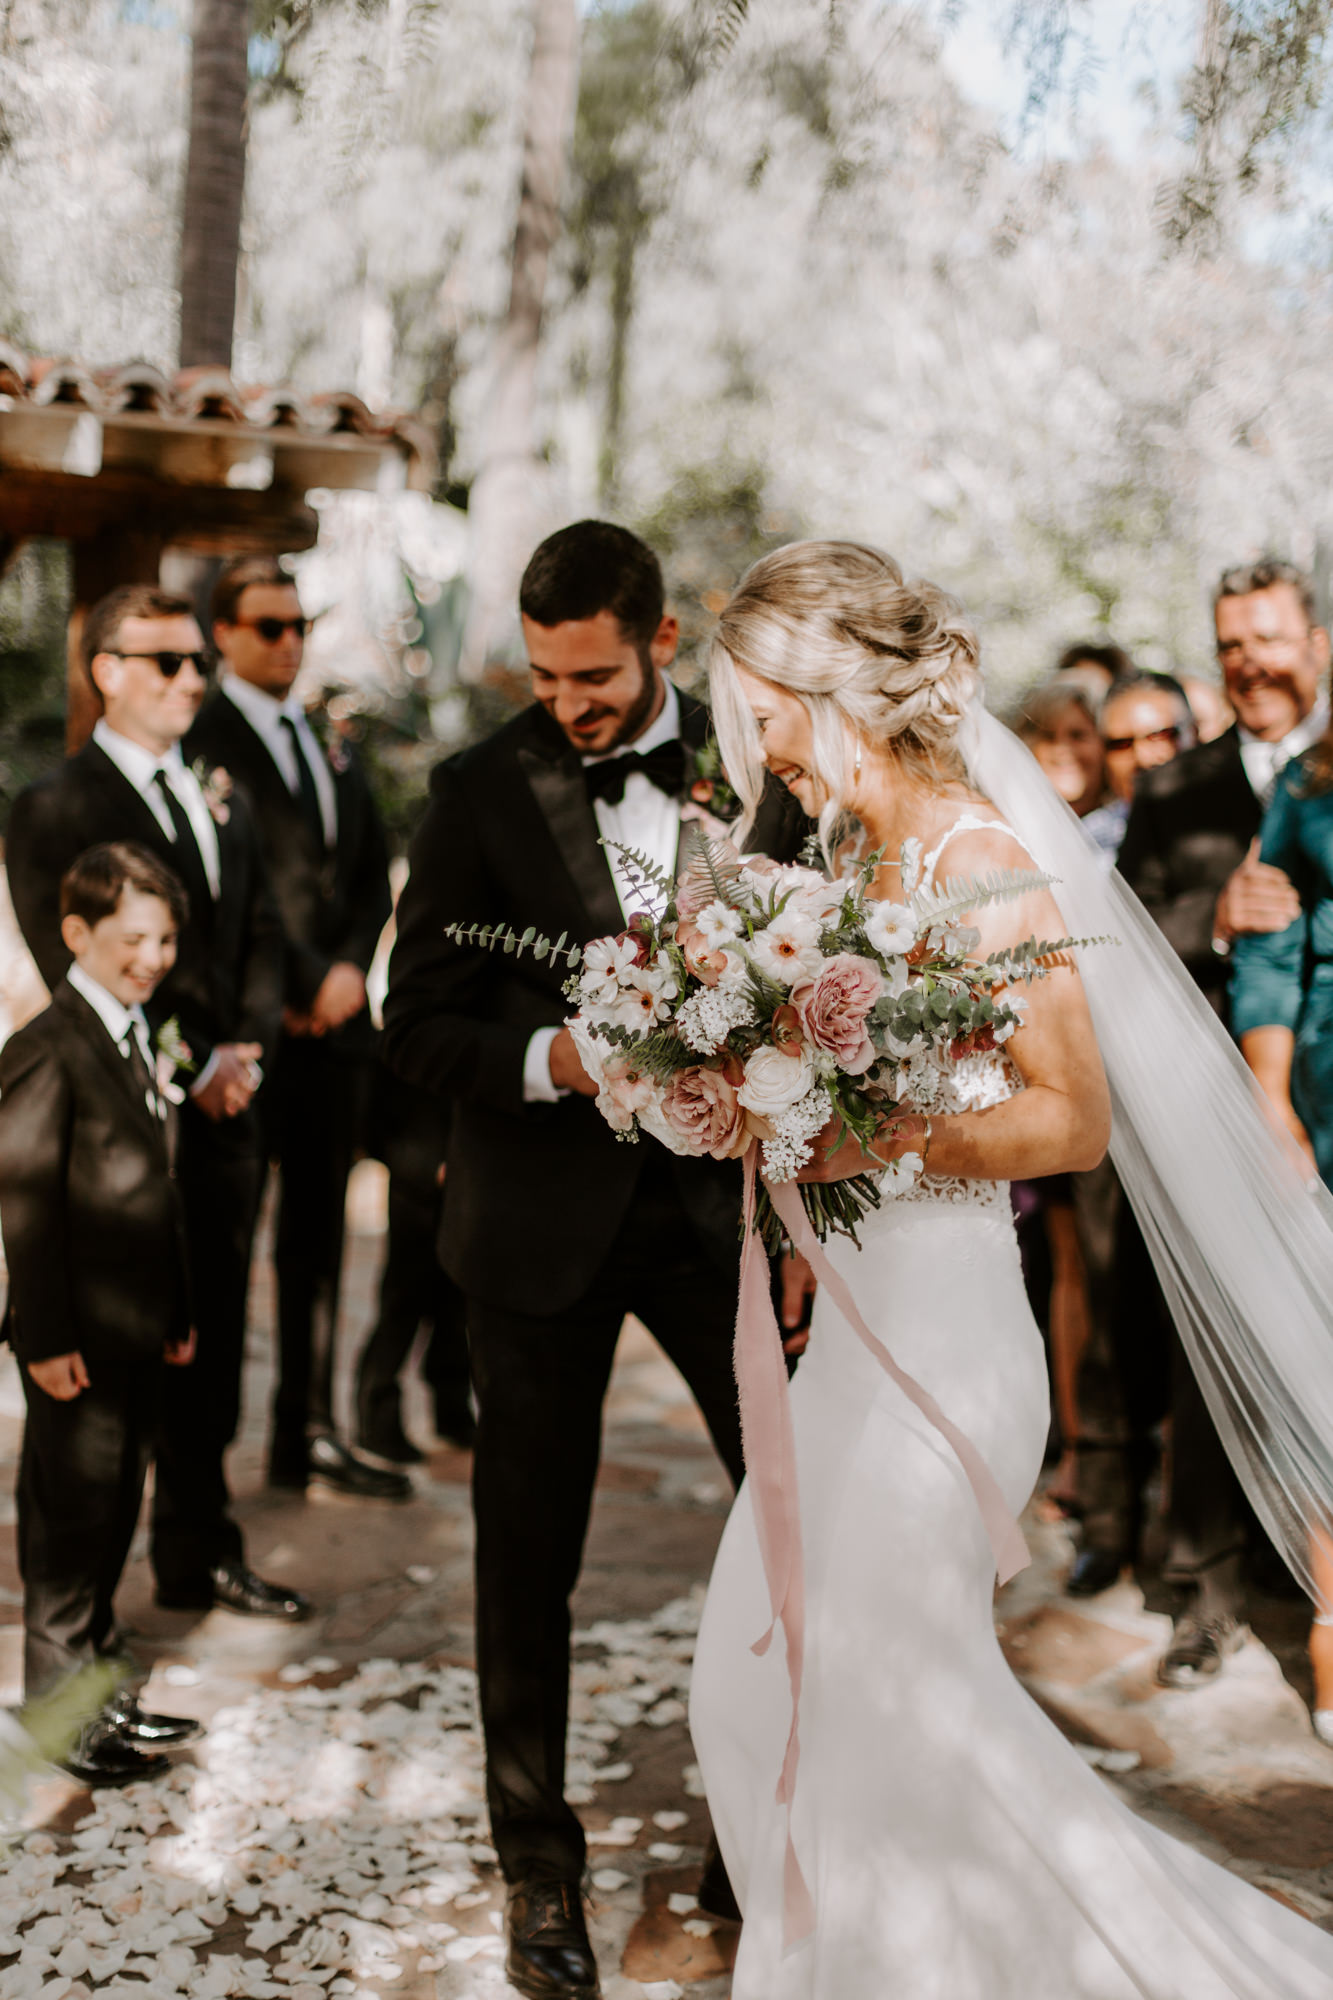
338, 753
171, 1052
216, 786
706, 782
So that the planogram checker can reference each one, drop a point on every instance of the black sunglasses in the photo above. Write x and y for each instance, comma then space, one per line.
168, 664
271, 630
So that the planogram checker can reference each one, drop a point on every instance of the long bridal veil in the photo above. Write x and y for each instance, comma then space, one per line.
1241, 1238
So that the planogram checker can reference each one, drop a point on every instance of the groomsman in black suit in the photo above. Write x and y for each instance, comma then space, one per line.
324, 848
144, 655
552, 1229
1190, 853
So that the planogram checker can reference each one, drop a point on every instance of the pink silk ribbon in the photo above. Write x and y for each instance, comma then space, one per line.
770, 1467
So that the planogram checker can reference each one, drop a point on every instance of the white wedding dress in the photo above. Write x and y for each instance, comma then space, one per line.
956, 1846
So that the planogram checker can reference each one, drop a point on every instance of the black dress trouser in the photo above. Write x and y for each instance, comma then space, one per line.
540, 1385
414, 1291
80, 1485
313, 1108
220, 1168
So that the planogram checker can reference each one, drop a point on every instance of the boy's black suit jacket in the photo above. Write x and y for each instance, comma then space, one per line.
535, 1192
226, 985
333, 904
92, 1221
1189, 829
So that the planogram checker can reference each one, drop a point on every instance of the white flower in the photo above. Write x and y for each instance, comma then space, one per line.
788, 949
643, 1001
953, 939
902, 1173
787, 1151
774, 1081
709, 1016
909, 856
607, 964
719, 925
891, 928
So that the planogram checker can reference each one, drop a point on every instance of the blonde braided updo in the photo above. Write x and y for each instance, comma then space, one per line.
889, 664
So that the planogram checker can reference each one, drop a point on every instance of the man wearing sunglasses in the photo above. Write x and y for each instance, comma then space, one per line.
144, 655
325, 851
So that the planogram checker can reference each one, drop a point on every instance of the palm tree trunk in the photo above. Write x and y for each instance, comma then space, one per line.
504, 505
214, 181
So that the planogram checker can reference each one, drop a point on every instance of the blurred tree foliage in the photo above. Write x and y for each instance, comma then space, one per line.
34, 600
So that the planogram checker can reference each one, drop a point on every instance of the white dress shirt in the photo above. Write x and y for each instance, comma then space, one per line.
645, 818
141, 767
1264, 762
119, 1021
266, 717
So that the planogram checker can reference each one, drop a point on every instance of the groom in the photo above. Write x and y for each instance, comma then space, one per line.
553, 1230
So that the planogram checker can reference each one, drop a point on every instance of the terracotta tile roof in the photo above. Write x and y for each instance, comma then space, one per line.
148, 421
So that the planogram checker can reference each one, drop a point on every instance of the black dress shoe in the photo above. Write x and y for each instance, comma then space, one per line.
1198, 1648
392, 1444
237, 1588
716, 1897
549, 1955
154, 1732
1094, 1571
102, 1756
336, 1465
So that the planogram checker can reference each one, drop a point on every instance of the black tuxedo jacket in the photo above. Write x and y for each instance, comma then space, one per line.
1189, 828
535, 1192
226, 984
333, 904
92, 1221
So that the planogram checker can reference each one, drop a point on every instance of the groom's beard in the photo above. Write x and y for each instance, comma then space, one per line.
633, 722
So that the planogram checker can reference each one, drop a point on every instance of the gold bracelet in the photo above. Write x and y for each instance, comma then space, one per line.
930, 1133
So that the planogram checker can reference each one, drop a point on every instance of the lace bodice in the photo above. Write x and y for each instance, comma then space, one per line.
975, 1082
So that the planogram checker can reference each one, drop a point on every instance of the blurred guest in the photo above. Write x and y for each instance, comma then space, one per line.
325, 850
1058, 722
1145, 721
1192, 854
1210, 708
1094, 668
416, 1293
144, 656
1123, 1386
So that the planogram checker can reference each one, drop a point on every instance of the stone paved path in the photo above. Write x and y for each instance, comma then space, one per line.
320, 1719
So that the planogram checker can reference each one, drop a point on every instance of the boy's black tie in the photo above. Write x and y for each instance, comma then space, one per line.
140, 1072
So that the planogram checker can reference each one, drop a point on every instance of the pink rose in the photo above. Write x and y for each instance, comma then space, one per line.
701, 1107
833, 1009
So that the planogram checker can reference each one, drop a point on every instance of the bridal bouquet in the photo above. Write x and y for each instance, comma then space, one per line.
767, 1002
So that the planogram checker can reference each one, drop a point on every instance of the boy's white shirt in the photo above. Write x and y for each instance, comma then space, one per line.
119, 1021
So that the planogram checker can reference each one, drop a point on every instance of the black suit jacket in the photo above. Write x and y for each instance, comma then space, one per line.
333, 904
1189, 828
226, 984
535, 1192
88, 1203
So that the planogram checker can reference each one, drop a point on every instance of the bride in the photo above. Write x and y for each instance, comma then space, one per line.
955, 1846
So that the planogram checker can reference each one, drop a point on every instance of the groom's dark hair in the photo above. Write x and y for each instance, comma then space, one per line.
595, 566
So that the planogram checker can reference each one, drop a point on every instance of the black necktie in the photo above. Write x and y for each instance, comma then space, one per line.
307, 792
663, 767
189, 861
139, 1071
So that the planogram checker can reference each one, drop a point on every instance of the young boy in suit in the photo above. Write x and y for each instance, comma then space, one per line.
98, 1302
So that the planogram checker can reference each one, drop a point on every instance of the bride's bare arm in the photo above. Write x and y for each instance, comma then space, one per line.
1061, 1121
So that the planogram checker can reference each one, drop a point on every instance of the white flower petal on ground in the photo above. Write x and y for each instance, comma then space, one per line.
670, 1822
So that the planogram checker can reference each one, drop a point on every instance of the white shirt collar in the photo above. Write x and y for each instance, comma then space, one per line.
115, 1018
258, 707
663, 730
136, 763
1263, 760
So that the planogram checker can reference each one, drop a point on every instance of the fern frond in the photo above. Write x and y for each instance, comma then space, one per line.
489, 937
1034, 957
963, 893
709, 864
640, 869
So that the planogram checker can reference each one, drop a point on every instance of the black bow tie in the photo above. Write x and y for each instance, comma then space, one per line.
663, 767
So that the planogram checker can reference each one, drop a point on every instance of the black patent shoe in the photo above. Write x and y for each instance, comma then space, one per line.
140, 1727
716, 1897
549, 1956
1198, 1648
1094, 1571
237, 1588
102, 1756
335, 1465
